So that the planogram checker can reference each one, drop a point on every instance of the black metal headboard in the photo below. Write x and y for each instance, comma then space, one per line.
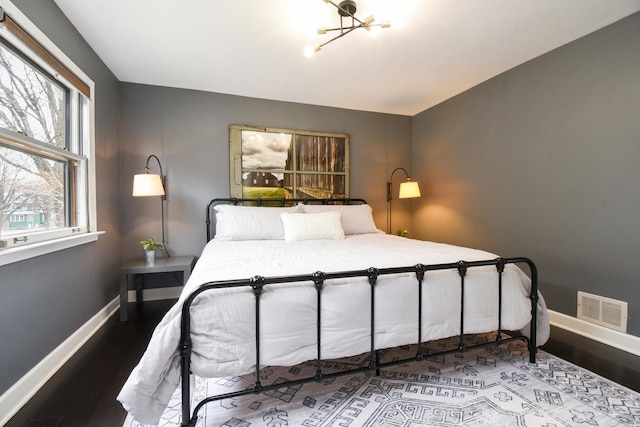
276, 202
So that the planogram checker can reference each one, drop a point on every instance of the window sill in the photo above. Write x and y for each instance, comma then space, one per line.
8, 256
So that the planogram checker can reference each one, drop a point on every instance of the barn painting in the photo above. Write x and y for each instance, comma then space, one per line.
285, 163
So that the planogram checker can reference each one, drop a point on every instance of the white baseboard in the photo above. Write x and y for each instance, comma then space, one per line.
619, 340
155, 294
19, 394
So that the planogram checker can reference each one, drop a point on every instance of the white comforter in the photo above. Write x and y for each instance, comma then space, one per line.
223, 320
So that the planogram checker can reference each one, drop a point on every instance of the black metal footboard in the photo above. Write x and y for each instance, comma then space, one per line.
372, 274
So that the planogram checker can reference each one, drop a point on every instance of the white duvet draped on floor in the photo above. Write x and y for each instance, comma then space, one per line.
223, 320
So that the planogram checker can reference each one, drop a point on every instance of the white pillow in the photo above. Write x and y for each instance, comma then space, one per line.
250, 222
356, 219
316, 226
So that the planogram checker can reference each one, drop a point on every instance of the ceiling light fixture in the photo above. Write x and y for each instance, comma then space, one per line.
346, 9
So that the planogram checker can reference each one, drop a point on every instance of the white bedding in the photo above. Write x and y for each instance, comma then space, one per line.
223, 320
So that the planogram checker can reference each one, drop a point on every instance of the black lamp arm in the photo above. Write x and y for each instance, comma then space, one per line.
391, 179
147, 170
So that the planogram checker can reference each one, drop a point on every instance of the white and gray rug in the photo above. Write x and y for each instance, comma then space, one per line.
491, 386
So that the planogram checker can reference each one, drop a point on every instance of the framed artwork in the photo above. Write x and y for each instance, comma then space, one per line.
286, 163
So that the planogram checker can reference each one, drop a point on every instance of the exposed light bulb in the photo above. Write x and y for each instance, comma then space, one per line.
310, 50
369, 19
376, 28
398, 24
322, 30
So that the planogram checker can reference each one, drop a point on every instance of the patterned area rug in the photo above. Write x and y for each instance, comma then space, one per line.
490, 386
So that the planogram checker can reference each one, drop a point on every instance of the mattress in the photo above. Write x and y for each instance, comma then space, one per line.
223, 325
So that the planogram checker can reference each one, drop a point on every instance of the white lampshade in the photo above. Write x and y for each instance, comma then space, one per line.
409, 190
147, 184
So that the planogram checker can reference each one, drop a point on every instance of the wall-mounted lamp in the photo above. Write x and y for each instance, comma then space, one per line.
408, 190
148, 184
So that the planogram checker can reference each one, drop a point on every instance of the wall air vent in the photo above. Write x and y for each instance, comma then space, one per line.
603, 311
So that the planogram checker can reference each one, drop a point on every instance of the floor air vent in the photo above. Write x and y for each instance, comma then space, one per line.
603, 311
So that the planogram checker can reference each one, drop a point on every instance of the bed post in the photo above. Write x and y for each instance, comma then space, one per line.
500, 263
185, 362
373, 274
534, 311
462, 272
420, 278
257, 283
318, 281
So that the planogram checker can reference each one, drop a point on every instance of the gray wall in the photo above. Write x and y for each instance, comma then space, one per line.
542, 161
51, 296
45, 299
189, 132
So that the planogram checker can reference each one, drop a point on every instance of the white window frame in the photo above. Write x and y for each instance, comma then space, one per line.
77, 236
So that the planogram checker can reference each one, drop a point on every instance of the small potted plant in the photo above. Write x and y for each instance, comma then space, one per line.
150, 246
403, 232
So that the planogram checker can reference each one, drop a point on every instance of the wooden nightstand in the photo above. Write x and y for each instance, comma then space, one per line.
129, 271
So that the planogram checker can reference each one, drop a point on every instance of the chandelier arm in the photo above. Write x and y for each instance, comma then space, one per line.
351, 28
346, 12
337, 29
342, 34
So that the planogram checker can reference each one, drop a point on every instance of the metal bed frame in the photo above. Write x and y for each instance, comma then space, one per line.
318, 279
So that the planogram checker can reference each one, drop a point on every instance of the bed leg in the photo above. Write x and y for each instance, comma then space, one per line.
186, 421
533, 333
186, 376
377, 363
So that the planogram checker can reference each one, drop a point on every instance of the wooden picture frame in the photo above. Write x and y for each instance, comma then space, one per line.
287, 163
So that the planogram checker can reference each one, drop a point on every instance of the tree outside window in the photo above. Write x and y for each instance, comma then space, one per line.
40, 161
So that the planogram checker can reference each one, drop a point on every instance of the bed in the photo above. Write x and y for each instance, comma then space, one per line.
314, 280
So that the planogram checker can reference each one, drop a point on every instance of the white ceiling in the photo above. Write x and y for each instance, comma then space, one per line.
434, 49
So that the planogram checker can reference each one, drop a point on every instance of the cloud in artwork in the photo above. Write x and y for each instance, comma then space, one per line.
265, 150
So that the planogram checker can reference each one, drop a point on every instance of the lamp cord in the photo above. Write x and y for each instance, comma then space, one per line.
389, 216
164, 245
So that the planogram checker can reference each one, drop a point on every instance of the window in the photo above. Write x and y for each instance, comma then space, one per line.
46, 171
285, 163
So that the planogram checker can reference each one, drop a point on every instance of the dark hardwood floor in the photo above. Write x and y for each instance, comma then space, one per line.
83, 392
609, 362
